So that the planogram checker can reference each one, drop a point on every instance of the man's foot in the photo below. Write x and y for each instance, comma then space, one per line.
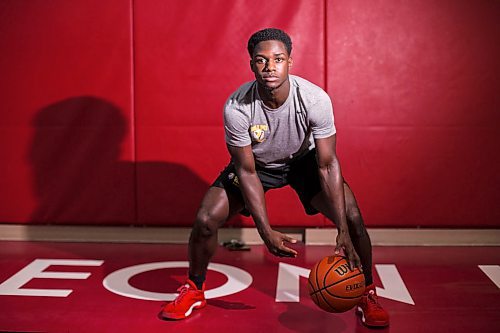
189, 298
371, 312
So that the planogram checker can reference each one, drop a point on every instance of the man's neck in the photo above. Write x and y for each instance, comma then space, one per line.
276, 97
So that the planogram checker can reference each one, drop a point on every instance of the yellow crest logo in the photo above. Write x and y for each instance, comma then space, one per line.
258, 132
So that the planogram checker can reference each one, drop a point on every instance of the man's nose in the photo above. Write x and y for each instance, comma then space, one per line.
271, 65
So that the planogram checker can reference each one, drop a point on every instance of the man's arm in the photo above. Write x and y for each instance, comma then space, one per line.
332, 184
253, 194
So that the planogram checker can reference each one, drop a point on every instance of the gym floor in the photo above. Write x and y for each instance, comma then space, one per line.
122, 288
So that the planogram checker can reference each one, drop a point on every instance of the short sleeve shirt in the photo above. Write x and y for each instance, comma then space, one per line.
278, 136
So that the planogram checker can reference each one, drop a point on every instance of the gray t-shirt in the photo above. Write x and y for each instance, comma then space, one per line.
280, 135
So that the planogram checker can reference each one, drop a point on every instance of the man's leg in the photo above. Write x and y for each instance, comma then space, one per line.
357, 230
372, 313
216, 208
359, 236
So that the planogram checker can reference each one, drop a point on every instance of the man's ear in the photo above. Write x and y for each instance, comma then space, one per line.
290, 62
251, 64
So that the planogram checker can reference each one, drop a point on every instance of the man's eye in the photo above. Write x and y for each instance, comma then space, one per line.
261, 61
280, 59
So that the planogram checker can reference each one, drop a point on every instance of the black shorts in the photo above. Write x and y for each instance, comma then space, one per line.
301, 175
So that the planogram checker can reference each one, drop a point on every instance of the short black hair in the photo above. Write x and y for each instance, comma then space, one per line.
269, 34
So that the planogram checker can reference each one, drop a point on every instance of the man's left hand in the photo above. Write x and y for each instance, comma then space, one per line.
344, 244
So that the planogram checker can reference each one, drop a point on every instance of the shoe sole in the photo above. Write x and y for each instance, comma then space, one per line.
175, 316
360, 312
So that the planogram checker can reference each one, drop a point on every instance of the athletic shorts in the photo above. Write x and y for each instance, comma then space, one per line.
301, 175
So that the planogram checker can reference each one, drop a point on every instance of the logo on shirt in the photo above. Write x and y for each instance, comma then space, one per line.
258, 132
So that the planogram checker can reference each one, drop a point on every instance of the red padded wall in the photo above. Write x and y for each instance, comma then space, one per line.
65, 130
189, 57
415, 86
112, 110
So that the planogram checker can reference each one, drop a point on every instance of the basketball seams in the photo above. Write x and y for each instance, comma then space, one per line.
346, 278
341, 297
314, 272
326, 301
330, 268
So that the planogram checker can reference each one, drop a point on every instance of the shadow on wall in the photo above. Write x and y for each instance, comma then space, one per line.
79, 179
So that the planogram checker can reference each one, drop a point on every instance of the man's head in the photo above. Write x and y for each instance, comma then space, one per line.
269, 34
270, 58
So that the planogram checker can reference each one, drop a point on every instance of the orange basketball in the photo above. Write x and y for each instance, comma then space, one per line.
333, 286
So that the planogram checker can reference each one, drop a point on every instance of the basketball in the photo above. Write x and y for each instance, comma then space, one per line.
333, 286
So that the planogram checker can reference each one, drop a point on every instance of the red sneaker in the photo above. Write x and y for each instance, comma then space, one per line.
189, 298
371, 312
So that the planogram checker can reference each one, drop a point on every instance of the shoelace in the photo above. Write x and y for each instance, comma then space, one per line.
372, 298
183, 290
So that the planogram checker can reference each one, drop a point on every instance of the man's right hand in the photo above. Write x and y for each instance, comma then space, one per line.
275, 242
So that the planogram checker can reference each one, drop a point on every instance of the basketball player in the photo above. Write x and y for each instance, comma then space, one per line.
279, 131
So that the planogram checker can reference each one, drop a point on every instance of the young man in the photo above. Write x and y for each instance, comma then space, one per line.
279, 131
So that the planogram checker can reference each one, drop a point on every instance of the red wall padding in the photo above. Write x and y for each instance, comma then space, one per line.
66, 131
189, 57
112, 111
416, 89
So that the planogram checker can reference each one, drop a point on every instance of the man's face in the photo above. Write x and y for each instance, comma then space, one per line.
270, 64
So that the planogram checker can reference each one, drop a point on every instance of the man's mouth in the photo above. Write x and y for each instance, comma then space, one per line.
270, 78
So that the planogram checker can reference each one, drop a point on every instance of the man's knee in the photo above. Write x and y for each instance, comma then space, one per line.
206, 224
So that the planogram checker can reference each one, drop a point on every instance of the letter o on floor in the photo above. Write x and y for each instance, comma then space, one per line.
118, 281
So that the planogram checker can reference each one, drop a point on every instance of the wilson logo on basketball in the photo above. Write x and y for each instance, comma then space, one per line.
342, 270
